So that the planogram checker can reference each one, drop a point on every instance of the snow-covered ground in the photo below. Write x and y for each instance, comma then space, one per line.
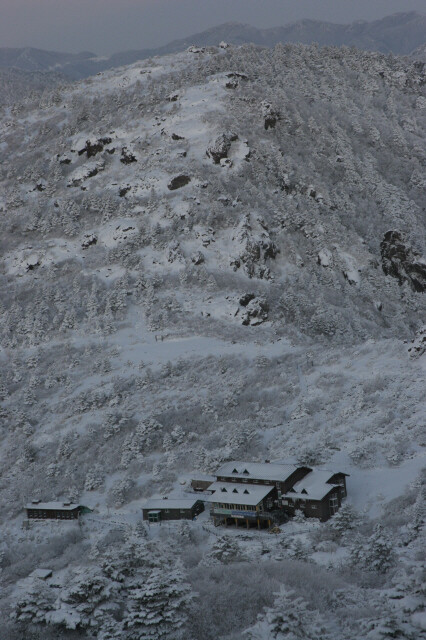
183, 283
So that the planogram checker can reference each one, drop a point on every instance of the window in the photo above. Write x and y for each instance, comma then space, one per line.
153, 517
334, 504
314, 506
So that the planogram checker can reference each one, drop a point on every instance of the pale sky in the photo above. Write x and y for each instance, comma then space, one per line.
107, 26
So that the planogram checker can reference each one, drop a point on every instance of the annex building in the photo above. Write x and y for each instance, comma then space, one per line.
161, 509
37, 510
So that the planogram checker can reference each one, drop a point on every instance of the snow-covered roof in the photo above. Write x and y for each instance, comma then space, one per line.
257, 470
170, 503
236, 493
43, 574
50, 506
314, 486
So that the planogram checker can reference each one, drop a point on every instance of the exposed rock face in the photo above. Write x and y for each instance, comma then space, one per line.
93, 148
89, 240
255, 310
400, 261
234, 79
418, 345
123, 190
270, 115
325, 258
194, 49
127, 157
254, 247
246, 298
219, 149
178, 182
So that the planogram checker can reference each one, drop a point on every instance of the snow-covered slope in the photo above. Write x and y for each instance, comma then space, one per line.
210, 256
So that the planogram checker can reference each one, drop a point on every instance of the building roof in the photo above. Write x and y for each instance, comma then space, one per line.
170, 503
50, 506
257, 470
43, 574
314, 486
236, 493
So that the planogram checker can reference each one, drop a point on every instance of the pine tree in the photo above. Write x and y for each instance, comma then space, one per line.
156, 606
376, 554
224, 551
289, 619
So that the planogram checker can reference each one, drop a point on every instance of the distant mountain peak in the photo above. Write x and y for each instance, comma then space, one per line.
399, 33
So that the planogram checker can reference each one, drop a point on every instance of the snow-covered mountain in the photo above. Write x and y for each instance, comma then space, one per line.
399, 33
209, 256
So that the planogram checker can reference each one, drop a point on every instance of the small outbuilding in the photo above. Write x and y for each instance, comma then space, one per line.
163, 509
37, 510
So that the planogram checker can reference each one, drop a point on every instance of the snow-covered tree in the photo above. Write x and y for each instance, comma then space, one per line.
157, 605
289, 619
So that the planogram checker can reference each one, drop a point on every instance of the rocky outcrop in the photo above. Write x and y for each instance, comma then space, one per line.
178, 182
92, 148
400, 261
127, 157
418, 345
218, 149
89, 240
325, 258
270, 115
234, 79
254, 309
124, 190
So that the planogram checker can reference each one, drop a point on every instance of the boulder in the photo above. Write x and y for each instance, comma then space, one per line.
127, 157
124, 190
255, 310
178, 182
194, 49
89, 240
234, 79
246, 298
197, 258
325, 258
218, 149
400, 261
418, 345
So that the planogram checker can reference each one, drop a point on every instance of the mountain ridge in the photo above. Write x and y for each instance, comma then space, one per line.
399, 33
